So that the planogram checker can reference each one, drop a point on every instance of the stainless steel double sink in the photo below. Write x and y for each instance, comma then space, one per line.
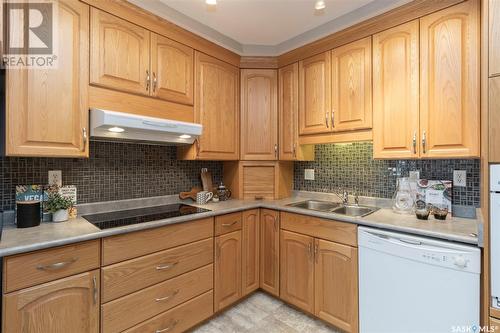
335, 207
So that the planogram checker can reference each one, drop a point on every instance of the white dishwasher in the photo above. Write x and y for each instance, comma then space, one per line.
416, 284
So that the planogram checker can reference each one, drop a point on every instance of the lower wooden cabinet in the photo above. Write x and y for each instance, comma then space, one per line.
250, 251
227, 269
66, 305
297, 270
269, 251
336, 284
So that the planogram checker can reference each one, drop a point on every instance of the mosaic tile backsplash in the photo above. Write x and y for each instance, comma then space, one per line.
352, 167
114, 171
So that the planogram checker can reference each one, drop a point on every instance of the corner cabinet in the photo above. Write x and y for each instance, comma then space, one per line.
269, 251
66, 305
449, 82
259, 114
217, 109
395, 92
227, 269
40, 120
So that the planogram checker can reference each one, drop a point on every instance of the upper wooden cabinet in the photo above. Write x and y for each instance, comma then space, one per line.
352, 86
288, 105
395, 92
494, 37
449, 82
47, 109
67, 305
127, 57
314, 94
119, 53
259, 114
172, 70
217, 109
270, 251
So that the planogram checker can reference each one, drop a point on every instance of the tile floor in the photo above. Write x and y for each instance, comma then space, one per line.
261, 313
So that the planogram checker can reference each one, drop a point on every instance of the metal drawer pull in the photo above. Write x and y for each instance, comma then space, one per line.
148, 78
154, 82
414, 142
229, 224
166, 329
56, 266
326, 119
94, 282
166, 298
424, 142
84, 138
333, 118
166, 266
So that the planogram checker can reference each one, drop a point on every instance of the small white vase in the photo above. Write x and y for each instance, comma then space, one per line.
60, 216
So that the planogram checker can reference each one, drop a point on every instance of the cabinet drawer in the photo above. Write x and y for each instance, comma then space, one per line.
227, 223
151, 301
30, 269
131, 275
133, 245
180, 318
340, 232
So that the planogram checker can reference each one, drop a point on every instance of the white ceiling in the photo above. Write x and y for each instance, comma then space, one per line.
265, 27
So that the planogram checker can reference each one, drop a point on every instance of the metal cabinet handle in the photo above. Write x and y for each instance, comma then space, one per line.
326, 119
94, 282
414, 142
166, 298
309, 250
84, 138
166, 266
168, 328
155, 81
424, 142
333, 118
229, 224
148, 79
294, 150
276, 150
56, 266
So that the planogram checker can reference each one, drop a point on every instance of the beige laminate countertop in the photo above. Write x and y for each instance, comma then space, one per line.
48, 235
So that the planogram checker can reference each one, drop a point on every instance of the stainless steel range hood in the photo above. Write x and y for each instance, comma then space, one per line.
112, 125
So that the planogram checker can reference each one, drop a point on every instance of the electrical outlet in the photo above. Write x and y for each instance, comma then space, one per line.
55, 177
309, 174
459, 178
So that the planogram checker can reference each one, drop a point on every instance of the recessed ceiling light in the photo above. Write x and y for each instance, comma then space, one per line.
320, 5
185, 136
211, 2
116, 129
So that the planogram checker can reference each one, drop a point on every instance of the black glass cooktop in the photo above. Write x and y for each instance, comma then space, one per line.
141, 215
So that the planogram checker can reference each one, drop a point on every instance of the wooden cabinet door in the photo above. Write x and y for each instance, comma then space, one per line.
227, 287
67, 305
494, 119
119, 54
47, 108
297, 270
216, 108
494, 37
172, 70
250, 251
336, 284
259, 114
395, 92
288, 111
449, 82
352, 86
269, 251
314, 94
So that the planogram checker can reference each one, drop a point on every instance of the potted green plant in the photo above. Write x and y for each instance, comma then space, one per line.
59, 207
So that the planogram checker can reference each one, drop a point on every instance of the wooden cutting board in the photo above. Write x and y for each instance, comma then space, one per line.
206, 180
191, 194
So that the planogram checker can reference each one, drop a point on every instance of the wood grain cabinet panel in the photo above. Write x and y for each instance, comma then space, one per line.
449, 82
67, 305
396, 92
172, 70
336, 284
250, 251
227, 287
288, 111
40, 119
217, 109
228, 223
352, 86
314, 94
259, 114
269, 251
494, 119
297, 270
119, 54
494, 37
